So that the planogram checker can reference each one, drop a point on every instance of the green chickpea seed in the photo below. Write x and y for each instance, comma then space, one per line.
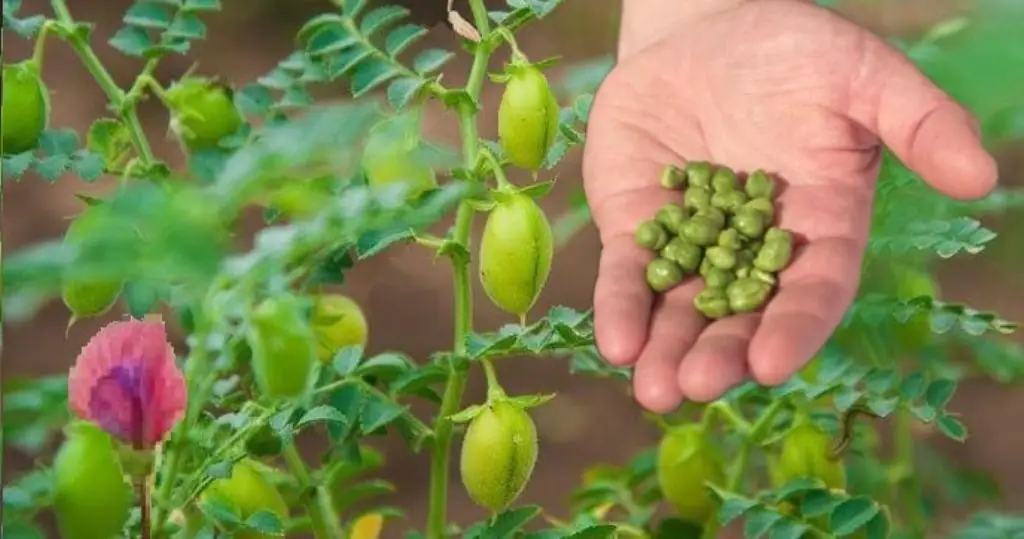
749, 222
712, 303
673, 178
714, 215
697, 197
731, 239
685, 254
764, 206
651, 235
663, 274
698, 173
718, 278
701, 231
778, 234
724, 179
774, 255
721, 257
762, 275
760, 185
747, 294
671, 217
728, 201
705, 267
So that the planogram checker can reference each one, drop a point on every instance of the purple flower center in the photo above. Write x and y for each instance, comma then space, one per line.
118, 402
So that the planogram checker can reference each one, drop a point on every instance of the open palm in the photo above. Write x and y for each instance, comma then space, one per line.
781, 85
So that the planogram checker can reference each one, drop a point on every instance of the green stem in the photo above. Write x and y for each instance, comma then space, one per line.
320, 509
499, 173
753, 438
727, 412
114, 94
451, 402
517, 55
494, 389
40, 46
905, 461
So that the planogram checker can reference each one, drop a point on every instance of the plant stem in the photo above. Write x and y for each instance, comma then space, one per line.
39, 49
115, 95
439, 460
198, 367
319, 507
905, 460
754, 435
499, 174
494, 389
145, 523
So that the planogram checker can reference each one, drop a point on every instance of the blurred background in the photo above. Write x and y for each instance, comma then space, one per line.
407, 296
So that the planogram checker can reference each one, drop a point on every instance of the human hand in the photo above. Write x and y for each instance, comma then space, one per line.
782, 85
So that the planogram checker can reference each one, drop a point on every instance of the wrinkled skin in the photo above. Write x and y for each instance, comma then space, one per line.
804, 94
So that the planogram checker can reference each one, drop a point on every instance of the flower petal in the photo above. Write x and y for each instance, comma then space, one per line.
126, 381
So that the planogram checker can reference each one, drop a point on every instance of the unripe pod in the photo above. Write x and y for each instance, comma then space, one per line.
87, 298
338, 322
804, 452
25, 107
248, 491
916, 331
515, 253
527, 117
203, 112
498, 455
685, 462
393, 154
92, 497
283, 347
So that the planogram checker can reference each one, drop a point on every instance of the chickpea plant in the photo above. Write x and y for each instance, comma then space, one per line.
198, 440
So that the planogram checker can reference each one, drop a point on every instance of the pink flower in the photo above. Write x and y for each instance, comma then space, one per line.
125, 381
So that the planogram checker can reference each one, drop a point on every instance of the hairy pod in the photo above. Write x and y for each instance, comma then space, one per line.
247, 490
203, 112
527, 117
86, 297
685, 462
338, 322
804, 452
515, 253
92, 497
394, 155
283, 347
498, 455
26, 107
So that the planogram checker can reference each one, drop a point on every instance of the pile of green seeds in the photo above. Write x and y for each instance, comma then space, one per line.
722, 231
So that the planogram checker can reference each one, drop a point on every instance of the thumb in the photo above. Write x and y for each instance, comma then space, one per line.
928, 131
